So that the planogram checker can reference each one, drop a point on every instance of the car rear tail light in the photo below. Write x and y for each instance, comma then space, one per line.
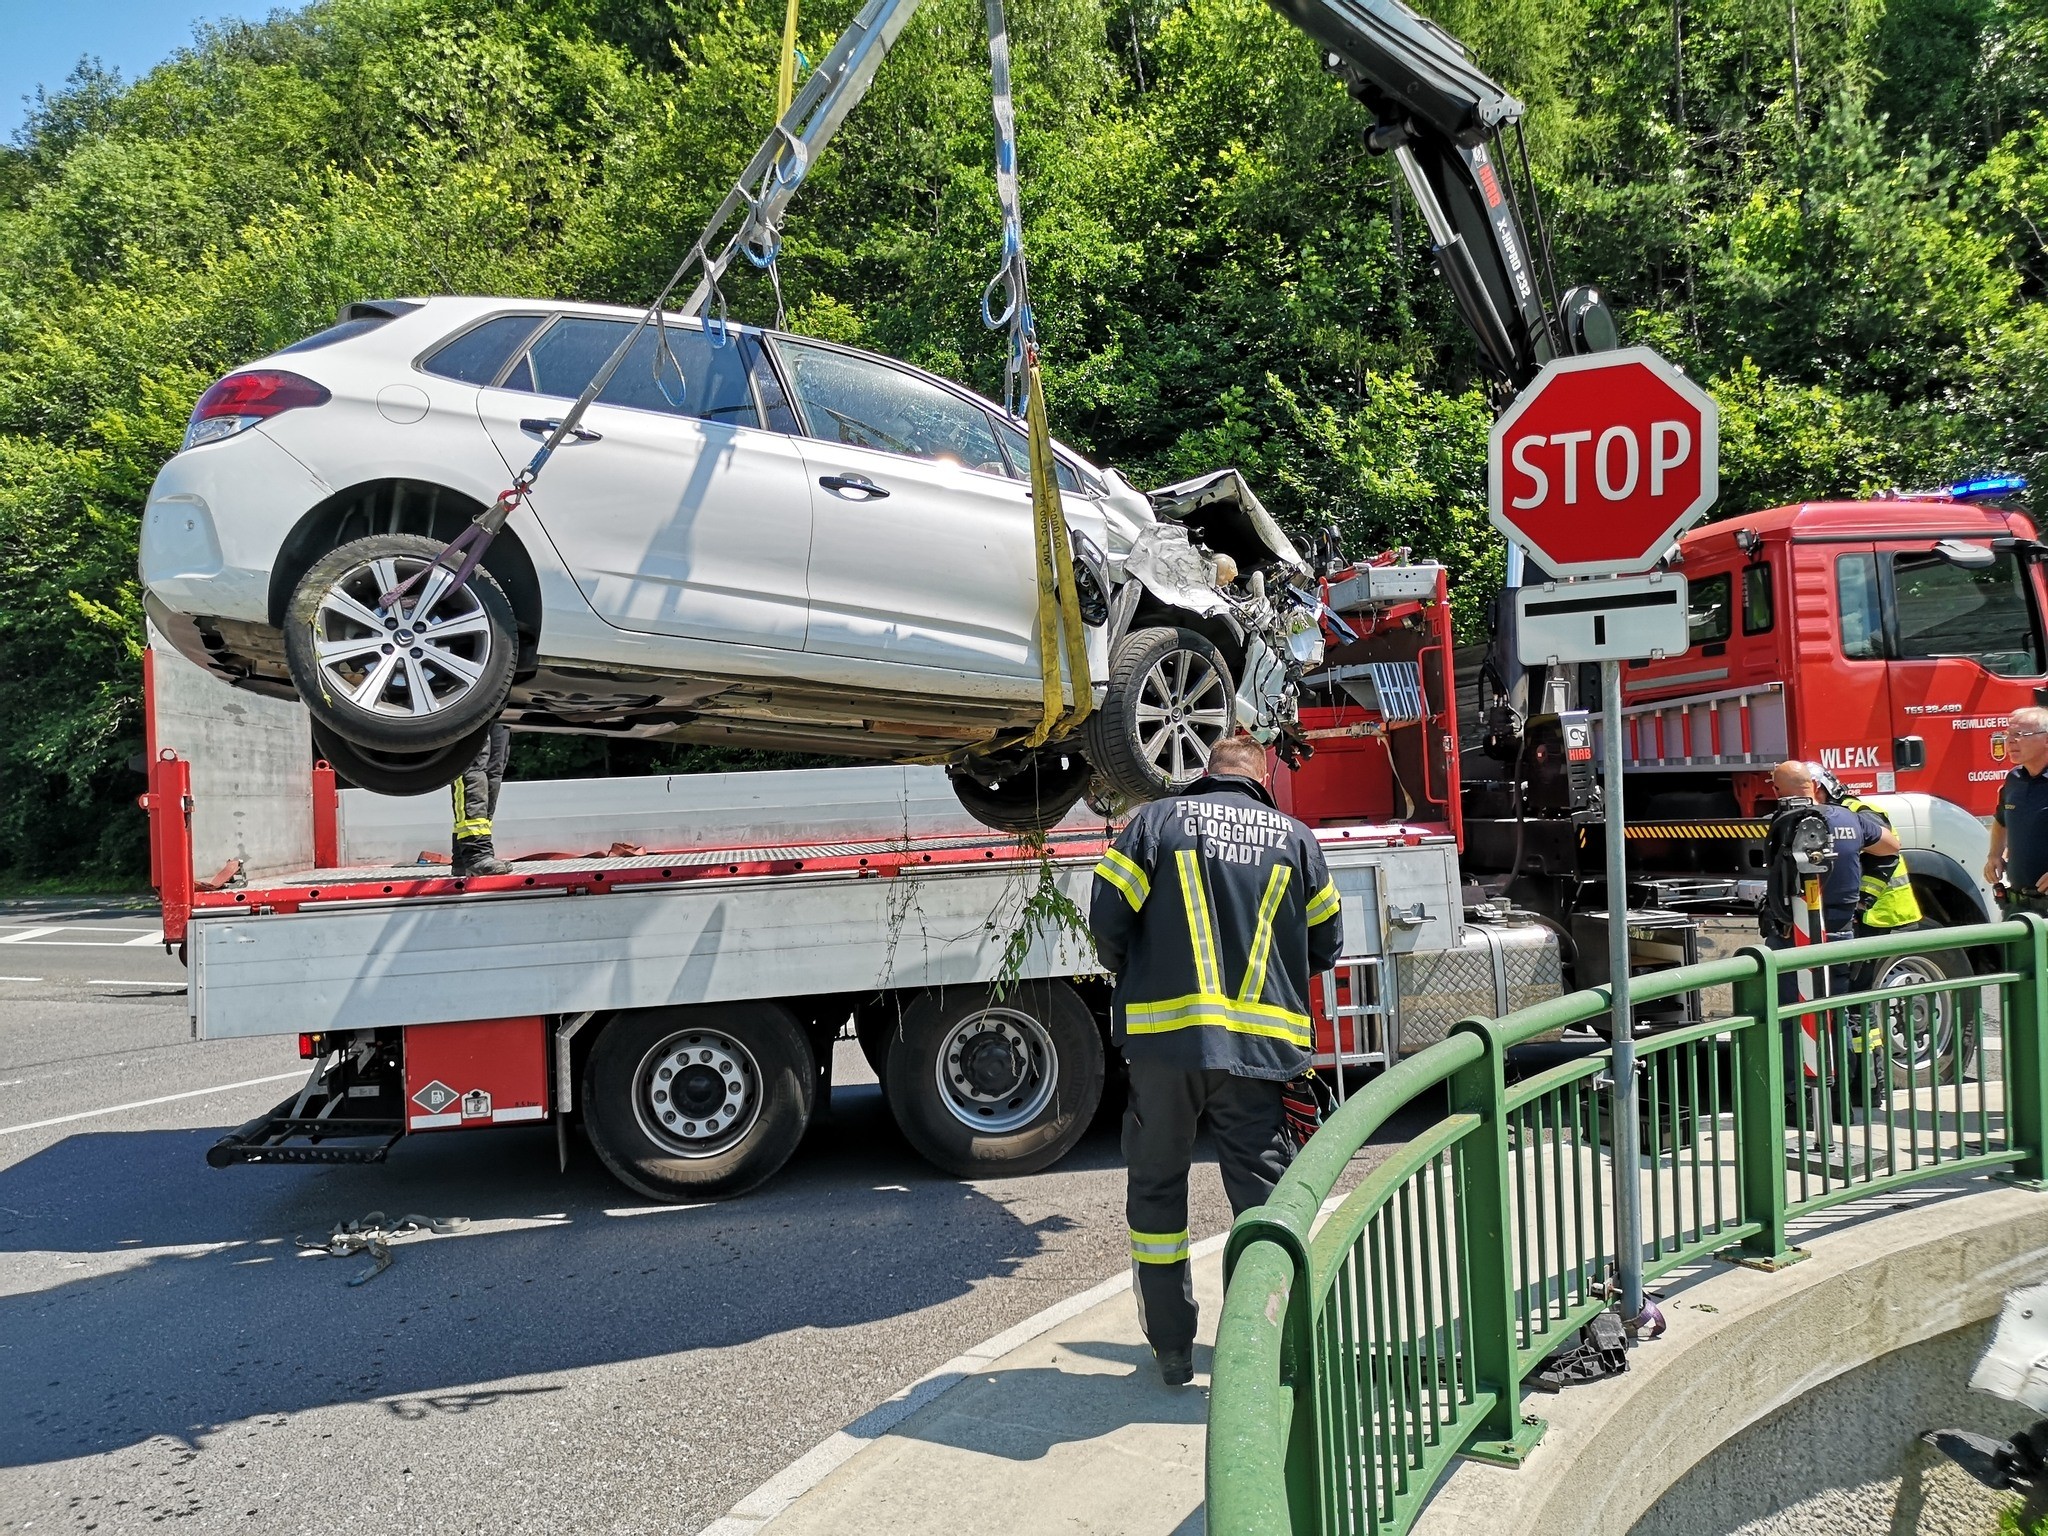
241, 400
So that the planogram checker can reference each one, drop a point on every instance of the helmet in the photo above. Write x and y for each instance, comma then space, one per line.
1825, 781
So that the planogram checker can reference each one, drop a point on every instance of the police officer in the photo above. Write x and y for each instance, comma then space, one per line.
1856, 834
1214, 910
476, 801
1886, 903
2018, 865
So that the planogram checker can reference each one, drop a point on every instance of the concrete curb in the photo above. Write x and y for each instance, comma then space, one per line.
775, 1495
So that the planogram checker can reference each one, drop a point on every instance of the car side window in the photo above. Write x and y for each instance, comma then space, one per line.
871, 405
678, 370
1020, 462
477, 354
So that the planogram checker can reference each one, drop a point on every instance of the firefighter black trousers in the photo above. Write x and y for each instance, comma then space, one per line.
1166, 1105
476, 792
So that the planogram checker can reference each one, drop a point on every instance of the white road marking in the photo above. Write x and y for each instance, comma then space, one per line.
115, 1109
20, 978
148, 938
27, 934
135, 981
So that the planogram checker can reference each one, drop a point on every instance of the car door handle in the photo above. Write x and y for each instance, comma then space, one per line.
841, 485
541, 428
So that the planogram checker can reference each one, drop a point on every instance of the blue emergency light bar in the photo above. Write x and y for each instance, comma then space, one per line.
1987, 487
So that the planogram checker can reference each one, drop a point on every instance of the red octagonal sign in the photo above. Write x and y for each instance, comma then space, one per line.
1600, 462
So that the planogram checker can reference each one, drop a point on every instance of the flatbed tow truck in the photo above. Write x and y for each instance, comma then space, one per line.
671, 959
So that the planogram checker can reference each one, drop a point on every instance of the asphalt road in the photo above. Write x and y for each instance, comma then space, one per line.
573, 1360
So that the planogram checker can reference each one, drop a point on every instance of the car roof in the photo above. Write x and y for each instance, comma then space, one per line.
460, 309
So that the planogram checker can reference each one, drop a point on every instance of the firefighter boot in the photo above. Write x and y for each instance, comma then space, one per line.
1176, 1366
475, 856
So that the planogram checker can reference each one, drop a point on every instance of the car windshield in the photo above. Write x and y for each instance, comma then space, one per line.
1944, 609
871, 405
677, 370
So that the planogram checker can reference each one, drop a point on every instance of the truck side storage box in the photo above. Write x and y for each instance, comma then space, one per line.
487, 1072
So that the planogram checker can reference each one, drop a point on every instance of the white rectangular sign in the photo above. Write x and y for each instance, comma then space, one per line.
1609, 618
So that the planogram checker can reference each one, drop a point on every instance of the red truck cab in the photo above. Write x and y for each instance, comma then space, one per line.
1888, 640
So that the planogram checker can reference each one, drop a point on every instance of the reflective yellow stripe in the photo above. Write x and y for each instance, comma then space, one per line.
1208, 975
1200, 1010
1262, 936
1324, 904
465, 824
1126, 876
1159, 1247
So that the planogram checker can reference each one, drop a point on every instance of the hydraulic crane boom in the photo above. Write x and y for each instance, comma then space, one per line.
1445, 122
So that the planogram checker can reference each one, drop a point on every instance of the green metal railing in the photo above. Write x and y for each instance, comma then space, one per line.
1361, 1350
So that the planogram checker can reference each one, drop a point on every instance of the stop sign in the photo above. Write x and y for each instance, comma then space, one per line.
1600, 462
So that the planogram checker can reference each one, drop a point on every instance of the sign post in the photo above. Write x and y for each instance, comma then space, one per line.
1596, 468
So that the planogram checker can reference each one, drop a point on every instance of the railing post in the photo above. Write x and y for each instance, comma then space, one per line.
1481, 1089
2026, 1060
1760, 1115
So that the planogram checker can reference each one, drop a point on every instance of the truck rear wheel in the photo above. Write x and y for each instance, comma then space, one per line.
699, 1103
984, 1085
1922, 1030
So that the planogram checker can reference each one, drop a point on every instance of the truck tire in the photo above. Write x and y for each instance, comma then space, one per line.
398, 773
414, 691
984, 1086
1032, 798
1922, 1031
1170, 700
699, 1103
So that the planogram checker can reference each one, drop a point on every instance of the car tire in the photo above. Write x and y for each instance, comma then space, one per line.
334, 652
398, 773
1031, 798
1140, 753
698, 1103
984, 1086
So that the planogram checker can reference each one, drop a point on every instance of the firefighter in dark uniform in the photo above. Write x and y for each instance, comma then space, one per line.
1214, 910
476, 802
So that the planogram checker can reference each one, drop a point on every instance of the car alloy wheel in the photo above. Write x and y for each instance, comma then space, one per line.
1182, 710
420, 672
423, 655
1170, 699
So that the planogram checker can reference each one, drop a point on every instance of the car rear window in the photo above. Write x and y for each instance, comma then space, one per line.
477, 354
677, 370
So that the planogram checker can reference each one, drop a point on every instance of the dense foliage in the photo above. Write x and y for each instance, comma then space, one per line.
1834, 212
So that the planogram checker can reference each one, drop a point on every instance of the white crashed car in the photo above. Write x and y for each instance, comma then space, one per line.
753, 538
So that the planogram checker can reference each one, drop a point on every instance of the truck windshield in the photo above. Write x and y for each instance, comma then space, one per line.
1986, 615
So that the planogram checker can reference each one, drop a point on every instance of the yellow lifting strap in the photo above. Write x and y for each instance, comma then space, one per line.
1060, 630
785, 71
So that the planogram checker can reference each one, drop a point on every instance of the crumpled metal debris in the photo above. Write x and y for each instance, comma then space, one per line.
373, 1235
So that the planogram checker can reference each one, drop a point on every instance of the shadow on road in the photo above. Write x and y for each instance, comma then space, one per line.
154, 1295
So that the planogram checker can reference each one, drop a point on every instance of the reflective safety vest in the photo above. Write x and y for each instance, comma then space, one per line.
1214, 909
1888, 899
